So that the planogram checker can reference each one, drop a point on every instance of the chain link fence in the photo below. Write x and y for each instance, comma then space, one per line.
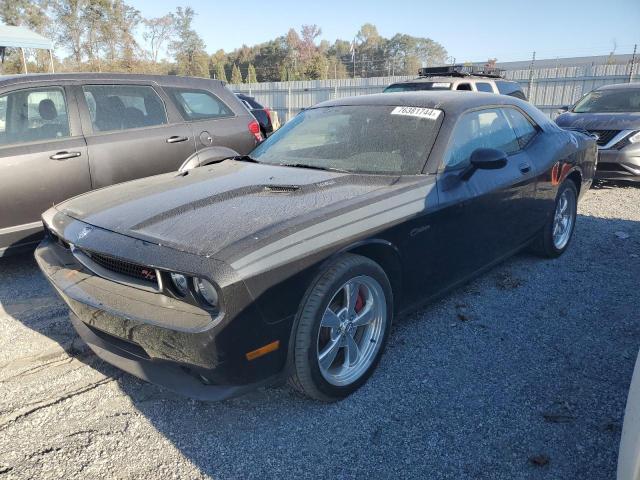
547, 88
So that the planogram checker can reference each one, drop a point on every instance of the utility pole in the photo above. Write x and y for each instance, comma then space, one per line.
533, 60
24, 60
633, 62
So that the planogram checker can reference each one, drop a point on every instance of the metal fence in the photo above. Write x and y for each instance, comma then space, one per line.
547, 88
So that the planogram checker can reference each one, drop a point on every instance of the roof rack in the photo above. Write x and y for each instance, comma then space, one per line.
460, 71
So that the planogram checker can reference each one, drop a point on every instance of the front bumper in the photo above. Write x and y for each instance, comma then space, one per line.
623, 164
163, 340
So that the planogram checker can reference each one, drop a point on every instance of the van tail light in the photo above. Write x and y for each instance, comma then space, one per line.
254, 128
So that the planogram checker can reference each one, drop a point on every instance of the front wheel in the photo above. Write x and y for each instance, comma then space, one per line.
554, 239
343, 325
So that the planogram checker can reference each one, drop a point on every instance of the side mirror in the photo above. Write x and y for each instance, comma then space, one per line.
484, 159
564, 109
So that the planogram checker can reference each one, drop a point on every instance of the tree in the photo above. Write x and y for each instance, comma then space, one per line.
157, 33
236, 76
251, 74
220, 73
67, 15
188, 49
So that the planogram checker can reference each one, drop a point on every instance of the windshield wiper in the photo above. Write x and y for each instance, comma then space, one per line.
313, 167
243, 158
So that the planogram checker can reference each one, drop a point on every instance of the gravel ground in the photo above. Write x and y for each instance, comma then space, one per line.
521, 374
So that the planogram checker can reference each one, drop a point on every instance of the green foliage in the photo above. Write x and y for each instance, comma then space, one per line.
236, 76
251, 74
188, 49
102, 35
220, 73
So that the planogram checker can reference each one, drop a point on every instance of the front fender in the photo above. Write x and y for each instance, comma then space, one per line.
207, 156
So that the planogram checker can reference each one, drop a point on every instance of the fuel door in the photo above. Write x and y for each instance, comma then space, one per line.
206, 139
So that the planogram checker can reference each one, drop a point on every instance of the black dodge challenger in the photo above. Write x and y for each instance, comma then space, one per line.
291, 263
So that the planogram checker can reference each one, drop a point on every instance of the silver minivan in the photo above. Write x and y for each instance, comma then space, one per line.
62, 135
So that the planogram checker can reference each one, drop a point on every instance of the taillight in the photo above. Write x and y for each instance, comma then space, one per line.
254, 128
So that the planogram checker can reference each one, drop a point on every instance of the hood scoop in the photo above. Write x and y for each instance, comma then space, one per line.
281, 188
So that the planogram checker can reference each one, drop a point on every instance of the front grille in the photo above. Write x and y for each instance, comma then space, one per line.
140, 272
120, 343
604, 136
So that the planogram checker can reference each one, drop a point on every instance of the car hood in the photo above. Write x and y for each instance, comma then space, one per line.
600, 121
231, 205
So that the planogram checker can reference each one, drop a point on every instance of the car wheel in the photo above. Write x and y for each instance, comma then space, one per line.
554, 239
342, 327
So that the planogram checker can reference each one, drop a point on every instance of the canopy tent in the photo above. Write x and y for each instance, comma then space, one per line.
20, 37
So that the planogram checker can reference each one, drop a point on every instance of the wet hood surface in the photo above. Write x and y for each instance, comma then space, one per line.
600, 121
231, 205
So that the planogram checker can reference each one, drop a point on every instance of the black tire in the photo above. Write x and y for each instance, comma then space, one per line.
544, 245
305, 374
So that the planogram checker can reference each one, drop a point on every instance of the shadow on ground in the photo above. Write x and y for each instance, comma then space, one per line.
523, 373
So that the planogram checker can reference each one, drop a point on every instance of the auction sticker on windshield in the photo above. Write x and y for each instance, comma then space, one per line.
430, 113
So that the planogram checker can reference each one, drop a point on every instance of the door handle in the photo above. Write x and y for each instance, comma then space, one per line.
176, 139
525, 167
64, 155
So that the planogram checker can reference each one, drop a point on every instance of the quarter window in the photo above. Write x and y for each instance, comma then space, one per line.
524, 129
480, 129
123, 107
199, 104
33, 115
464, 86
484, 87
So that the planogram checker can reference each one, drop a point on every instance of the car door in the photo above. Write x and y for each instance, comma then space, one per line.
485, 216
131, 131
212, 121
43, 157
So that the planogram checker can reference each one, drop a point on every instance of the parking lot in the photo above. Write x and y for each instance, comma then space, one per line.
521, 374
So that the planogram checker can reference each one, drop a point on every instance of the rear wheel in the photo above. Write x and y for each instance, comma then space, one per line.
343, 325
554, 239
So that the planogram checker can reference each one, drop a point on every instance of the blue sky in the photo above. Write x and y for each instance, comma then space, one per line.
469, 30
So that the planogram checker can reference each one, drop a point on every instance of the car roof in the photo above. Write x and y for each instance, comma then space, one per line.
621, 86
451, 79
168, 80
442, 99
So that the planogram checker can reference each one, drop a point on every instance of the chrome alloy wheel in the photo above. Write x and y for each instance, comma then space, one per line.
564, 218
351, 330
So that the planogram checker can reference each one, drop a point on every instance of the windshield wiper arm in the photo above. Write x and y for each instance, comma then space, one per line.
313, 167
243, 158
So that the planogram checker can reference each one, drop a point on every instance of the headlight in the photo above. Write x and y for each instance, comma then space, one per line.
206, 291
180, 283
635, 138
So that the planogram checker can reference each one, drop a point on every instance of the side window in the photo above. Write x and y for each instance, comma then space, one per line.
510, 88
524, 129
480, 129
122, 107
199, 104
484, 87
464, 86
33, 115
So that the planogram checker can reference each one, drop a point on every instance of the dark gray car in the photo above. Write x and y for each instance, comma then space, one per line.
62, 135
612, 114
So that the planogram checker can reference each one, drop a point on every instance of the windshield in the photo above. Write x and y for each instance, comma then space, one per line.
414, 87
361, 139
616, 101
